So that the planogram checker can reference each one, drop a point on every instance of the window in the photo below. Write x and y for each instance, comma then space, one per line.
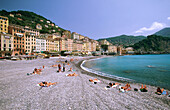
9, 49
4, 45
4, 49
14, 41
9, 41
4, 41
9, 45
14, 45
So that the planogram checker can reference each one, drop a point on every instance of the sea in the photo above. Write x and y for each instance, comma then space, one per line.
146, 69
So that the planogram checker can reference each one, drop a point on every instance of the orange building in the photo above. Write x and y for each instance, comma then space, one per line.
18, 34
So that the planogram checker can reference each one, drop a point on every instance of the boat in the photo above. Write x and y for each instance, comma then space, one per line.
14, 59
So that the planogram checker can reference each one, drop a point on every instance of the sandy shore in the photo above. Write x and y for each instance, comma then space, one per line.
19, 91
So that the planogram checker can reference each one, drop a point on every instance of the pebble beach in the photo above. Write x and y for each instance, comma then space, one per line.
19, 91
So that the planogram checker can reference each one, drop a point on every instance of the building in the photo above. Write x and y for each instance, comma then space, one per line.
75, 35
4, 24
66, 34
40, 45
112, 49
63, 44
11, 15
6, 44
30, 42
80, 47
57, 44
93, 46
38, 26
18, 34
70, 45
81, 37
104, 42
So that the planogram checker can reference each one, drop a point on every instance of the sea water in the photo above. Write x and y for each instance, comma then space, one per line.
146, 69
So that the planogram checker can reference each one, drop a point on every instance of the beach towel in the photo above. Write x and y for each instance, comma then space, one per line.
121, 89
164, 93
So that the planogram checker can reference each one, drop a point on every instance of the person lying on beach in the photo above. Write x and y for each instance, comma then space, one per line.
113, 85
54, 65
143, 89
37, 71
46, 84
95, 81
74, 74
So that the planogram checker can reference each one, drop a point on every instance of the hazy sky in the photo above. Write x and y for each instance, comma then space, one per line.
99, 18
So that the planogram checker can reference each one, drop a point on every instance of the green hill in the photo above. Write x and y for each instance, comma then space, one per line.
124, 40
164, 32
30, 19
153, 44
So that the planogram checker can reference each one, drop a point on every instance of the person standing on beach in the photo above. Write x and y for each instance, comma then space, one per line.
59, 67
63, 67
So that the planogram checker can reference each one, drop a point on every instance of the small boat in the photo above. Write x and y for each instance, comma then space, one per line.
2, 58
15, 59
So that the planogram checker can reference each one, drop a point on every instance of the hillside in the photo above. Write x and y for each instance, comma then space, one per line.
124, 40
164, 32
153, 44
31, 19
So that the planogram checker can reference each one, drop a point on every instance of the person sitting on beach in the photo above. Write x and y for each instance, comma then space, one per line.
37, 71
143, 89
127, 87
46, 84
158, 91
71, 69
74, 74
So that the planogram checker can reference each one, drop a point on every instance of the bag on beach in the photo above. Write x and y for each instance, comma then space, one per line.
135, 89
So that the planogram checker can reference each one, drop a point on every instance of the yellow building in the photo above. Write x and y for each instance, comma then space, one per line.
6, 44
3, 24
56, 45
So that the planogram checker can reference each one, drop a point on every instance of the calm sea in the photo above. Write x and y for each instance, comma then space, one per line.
146, 69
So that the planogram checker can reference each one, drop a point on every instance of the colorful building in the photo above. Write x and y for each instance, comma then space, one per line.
40, 45
112, 49
4, 24
6, 44
18, 34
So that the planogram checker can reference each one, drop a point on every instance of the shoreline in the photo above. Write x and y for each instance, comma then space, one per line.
107, 77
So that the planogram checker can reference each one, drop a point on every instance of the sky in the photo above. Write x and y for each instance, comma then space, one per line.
99, 18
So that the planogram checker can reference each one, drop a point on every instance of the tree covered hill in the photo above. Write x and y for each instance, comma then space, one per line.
164, 32
124, 40
153, 43
31, 19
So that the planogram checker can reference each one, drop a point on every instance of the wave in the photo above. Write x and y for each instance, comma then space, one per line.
102, 73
